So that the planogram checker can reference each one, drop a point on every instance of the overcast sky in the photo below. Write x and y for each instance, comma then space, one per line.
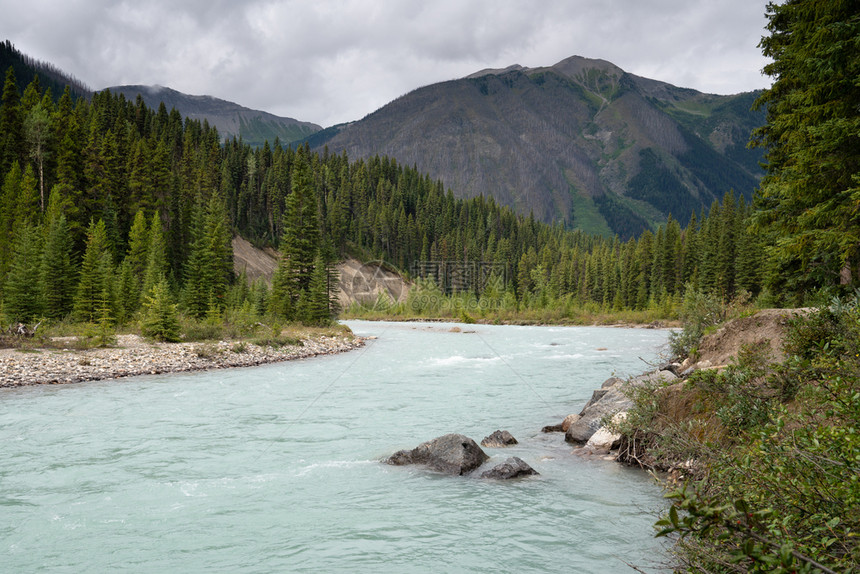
328, 61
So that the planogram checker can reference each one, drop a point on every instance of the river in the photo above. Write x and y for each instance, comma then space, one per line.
277, 468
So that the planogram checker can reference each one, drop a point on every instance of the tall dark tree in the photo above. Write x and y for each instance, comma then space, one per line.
21, 299
210, 264
299, 242
11, 123
95, 289
807, 202
57, 277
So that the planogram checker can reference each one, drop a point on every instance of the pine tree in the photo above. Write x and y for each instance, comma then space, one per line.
94, 293
210, 264
57, 270
21, 300
11, 123
160, 317
316, 309
156, 258
807, 202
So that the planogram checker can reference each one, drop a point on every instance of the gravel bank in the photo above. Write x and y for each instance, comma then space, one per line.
134, 355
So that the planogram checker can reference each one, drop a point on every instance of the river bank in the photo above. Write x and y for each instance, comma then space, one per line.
133, 355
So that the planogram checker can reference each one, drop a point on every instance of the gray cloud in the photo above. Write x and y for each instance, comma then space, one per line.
330, 62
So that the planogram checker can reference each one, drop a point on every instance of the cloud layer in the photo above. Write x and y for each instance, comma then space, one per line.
329, 62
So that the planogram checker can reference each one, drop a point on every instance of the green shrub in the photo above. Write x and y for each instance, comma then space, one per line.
160, 317
698, 312
784, 494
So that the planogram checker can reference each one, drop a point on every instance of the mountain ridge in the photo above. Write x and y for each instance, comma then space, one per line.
231, 119
568, 141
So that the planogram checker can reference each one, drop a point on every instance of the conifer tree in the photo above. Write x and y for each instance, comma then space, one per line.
138, 243
27, 211
22, 301
8, 213
210, 264
11, 123
93, 298
57, 269
160, 317
156, 258
298, 243
807, 202
316, 308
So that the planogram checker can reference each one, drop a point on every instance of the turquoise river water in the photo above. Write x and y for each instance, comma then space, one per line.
277, 468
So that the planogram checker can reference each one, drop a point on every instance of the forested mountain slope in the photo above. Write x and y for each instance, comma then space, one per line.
581, 142
50, 77
232, 120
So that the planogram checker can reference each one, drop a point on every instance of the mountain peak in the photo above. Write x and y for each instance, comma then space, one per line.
580, 142
577, 65
497, 71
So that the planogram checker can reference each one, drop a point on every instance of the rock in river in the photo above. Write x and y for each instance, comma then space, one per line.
451, 454
499, 439
512, 468
611, 398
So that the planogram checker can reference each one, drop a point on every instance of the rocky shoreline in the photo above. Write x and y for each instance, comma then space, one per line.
134, 355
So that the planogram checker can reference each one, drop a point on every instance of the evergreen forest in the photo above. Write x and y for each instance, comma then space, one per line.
103, 199
106, 202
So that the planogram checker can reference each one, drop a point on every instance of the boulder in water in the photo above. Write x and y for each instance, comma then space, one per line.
514, 467
450, 453
608, 400
499, 439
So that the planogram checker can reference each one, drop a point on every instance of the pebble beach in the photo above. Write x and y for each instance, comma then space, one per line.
133, 355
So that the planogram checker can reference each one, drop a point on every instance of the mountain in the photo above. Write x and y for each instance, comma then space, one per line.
582, 142
26, 68
254, 126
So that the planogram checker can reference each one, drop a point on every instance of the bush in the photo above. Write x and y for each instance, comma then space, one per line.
784, 494
698, 312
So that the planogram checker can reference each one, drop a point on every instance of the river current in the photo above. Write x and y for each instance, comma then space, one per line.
277, 468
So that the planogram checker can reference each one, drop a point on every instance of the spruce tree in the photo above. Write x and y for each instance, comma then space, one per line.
298, 244
22, 301
11, 123
160, 317
807, 202
94, 293
210, 265
57, 272
156, 258
316, 310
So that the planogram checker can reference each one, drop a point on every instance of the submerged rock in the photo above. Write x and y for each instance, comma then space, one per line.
499, 439
568, 420
450, 453
514, 467
563, 426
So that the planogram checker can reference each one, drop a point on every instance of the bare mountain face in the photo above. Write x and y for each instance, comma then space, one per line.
581, 142
254, 126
